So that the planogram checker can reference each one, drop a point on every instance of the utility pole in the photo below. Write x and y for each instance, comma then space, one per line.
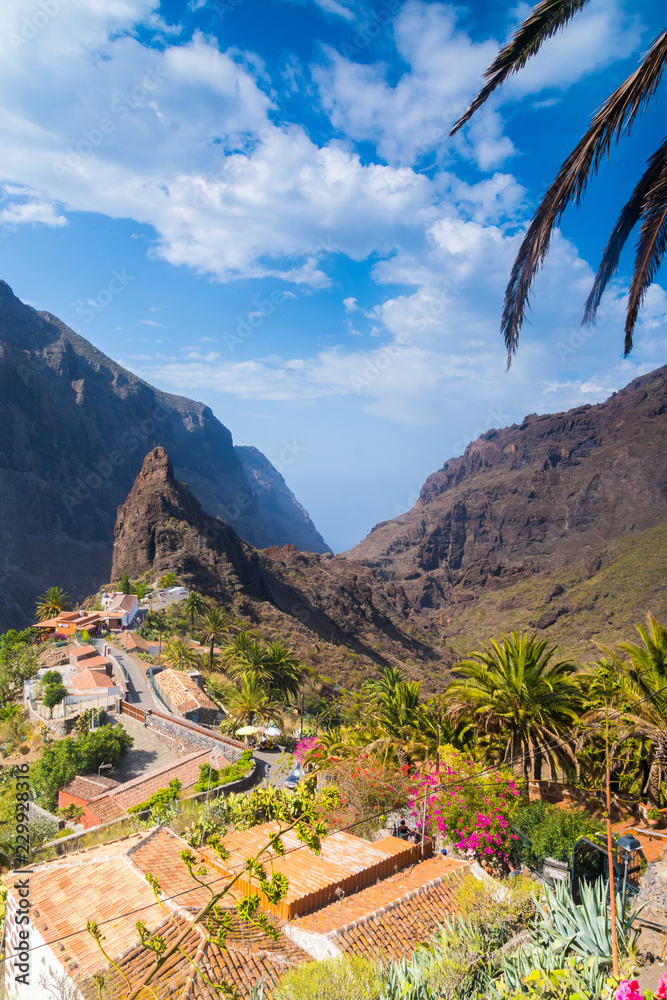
610, 858
302, 701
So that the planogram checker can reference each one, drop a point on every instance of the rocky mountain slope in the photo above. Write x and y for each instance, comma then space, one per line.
75, 427
317, 601
526, 527
557, 525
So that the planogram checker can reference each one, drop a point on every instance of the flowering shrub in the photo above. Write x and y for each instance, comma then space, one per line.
469, 805
306, 745
367, 790
629, 990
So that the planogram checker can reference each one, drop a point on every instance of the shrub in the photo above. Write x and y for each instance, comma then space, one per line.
53, 695
552, 831
61, 760
51, 677
344, 978
163, 797
468, 804
72, 813
89, 718
230, 773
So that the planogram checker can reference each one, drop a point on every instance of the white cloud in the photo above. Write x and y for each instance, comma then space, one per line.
350, 304
409, 120
35, 211
149, 322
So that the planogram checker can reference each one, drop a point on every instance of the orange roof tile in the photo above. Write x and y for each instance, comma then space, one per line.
396, 929
92, 679
345, 862
250, 956
81, 652
418, 878
88, 786
182, 690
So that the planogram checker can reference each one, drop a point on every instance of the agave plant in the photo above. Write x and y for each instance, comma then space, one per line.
584, 929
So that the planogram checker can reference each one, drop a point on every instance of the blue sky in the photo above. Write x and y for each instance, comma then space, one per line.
299, 244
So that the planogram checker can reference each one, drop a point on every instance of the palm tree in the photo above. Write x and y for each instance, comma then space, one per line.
194, 605
251, 703
52, 602
215, 624
177, 653
641, 669
647, 204
284, 671
515, 690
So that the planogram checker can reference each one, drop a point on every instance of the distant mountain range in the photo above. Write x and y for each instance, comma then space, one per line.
74, 430
557, 525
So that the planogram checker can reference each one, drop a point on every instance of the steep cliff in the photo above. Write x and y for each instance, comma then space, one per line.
74, 430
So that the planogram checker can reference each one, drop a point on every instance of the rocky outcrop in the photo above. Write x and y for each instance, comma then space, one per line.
161, 527
75, 427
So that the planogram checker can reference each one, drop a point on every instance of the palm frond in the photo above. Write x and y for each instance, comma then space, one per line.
544, 20
616, 116
627, 220
651, 247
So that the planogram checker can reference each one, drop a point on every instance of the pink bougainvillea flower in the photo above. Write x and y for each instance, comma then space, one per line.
662, 988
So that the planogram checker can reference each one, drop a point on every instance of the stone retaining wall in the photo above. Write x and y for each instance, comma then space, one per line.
188, 740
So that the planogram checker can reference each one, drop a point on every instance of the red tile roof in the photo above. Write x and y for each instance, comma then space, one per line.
80, 652
92, 679
388, 920
345, 862
396, 929
182, 690
88, 786
418, 878
249, 957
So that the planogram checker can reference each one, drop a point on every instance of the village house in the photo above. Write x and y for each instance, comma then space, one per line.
183, 696
69, 622
119, 610
376, 900
346, 863
107, 883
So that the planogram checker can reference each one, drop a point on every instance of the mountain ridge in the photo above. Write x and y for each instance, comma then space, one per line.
76, 426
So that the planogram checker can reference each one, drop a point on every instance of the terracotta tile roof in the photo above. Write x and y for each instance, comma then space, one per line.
182, 690
94, 663
92, 679
345, 862
91, 885
131, 641
88, 786
80, 652
131, 793
247, 959
357, 906
395, 929
122, 603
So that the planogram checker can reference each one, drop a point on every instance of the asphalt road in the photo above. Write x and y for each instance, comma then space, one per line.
139, 692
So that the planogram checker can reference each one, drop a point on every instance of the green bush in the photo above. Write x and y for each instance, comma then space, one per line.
61, 760
159, 799
552, 831
346, 978
51, 677
231, 773
53, 695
